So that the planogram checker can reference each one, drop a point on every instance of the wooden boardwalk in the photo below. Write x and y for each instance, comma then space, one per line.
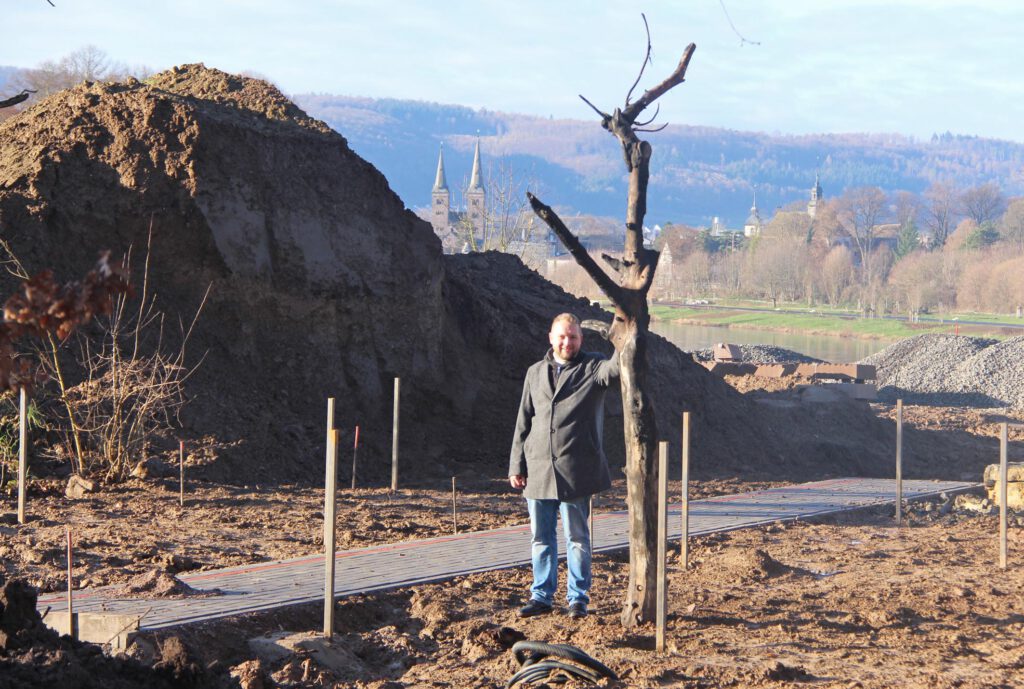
238, 590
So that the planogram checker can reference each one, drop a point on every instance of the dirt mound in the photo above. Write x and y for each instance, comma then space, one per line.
324, 285
754, 565
158, 584
31, 655
952, 370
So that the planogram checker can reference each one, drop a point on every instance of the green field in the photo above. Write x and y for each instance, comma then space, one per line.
834, 323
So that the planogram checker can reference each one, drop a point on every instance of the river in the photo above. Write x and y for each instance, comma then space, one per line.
826, 347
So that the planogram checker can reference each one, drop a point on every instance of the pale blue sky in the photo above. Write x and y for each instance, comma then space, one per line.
906, 66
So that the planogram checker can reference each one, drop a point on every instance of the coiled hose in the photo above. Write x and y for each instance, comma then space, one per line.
533, 668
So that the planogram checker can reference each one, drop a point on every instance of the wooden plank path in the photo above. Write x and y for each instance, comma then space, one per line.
249, 588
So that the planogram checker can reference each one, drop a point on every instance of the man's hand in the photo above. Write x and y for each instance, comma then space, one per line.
518, 481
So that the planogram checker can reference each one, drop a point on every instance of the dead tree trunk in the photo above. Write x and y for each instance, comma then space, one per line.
628, 334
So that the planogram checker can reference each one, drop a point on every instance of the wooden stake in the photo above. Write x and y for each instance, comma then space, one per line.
684, 539
394, 439
355, 455
22, 453
1002, 493
455, 515
662, 601
181, 473
71, 607
330, 418
590, 524
899, 462
330, 490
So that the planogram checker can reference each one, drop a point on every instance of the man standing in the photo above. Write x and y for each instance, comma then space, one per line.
558, 461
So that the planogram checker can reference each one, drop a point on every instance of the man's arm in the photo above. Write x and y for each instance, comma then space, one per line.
524, 422
608, 370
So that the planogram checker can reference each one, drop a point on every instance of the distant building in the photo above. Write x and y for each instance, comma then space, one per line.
752, 228
816, 197
663, 278
453, 226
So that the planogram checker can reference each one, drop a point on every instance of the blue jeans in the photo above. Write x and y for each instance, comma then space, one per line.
544, 528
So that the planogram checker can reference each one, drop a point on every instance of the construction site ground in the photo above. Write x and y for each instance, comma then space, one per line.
847, 601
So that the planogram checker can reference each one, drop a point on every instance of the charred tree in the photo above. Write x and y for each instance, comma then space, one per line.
628, 333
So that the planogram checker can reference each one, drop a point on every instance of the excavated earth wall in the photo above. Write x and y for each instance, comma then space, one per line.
323, 284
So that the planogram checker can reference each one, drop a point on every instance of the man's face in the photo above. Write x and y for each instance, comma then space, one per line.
565, 338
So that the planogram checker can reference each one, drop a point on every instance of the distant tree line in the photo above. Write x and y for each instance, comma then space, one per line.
945, 248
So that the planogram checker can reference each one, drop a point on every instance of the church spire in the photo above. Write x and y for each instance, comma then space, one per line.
440, 184
475, 183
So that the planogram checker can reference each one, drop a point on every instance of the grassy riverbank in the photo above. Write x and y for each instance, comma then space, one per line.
836, 324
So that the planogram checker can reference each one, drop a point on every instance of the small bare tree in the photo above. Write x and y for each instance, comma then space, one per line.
628, 332
132, 387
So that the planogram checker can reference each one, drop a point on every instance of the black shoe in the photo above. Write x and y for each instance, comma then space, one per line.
578, 610
533, 608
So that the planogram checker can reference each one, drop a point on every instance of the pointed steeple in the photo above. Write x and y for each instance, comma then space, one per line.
440, 184
475, 182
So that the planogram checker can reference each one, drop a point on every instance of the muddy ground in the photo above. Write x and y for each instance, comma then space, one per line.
851, 601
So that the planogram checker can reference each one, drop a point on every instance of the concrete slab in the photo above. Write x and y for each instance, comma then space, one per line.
95, 627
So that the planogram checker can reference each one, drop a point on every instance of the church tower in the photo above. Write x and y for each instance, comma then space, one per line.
440, 197
475, 196
816, 197
752, 227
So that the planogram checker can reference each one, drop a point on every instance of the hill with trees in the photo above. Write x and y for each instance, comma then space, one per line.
697, 173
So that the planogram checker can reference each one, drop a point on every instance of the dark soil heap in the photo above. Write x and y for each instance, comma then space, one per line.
324, 285
32, 655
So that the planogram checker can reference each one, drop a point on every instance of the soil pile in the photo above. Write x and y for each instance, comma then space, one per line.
952, 370
324, 285
32, 655
761, 354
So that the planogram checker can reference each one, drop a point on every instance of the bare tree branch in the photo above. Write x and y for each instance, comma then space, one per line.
654, 130
615, 263
604, 283
647, 59
677, 77
657, 109
14, 100
604, 116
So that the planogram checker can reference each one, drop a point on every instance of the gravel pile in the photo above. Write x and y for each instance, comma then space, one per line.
951, 370
761, 354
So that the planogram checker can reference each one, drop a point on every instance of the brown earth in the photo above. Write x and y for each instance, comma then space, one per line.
324, 285
840, 602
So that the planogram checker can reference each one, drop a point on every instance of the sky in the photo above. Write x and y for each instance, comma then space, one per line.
912, 67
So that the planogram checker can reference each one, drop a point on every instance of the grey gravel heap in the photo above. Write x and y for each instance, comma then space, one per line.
952, 370
761, 354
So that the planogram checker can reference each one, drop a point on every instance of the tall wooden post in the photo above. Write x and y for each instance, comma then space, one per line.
394, 438
330, 491
1003, 475
590, 523
899, 462
684, 539
355, 455
181, 473
455, 511
22, 453
71, 608
662, 602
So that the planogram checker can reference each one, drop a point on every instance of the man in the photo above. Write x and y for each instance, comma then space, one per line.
558, 461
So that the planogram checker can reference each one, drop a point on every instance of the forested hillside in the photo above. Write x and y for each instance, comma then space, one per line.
697, 172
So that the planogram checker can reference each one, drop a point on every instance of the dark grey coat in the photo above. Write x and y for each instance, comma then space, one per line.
558, 439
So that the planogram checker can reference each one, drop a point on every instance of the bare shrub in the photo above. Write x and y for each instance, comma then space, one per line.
133, 387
